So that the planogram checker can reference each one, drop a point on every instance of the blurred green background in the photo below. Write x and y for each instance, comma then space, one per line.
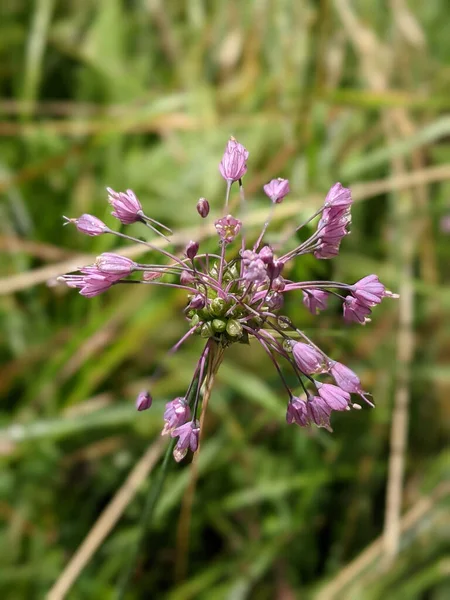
143, 94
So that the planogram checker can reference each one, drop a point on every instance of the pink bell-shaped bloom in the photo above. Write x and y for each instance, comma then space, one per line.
315, 300
233, 165
277, 189
127, 207
89, 225
228, 228
308, 359
115, 264
355, 312
334, 396
319, 412
177, 412
297, 412
188, 435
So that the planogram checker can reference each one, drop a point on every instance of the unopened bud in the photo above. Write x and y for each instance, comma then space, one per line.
143, 401
192, 249
203, 207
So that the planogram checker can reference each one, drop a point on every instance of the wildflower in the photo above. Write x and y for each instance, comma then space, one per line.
297, 412
355, 311
277, 189
334, 396
203, 207
176, 414
233, 165
370, 291
228, 228
143, 401
308, 359
187, 435
319, 412
236, 296
315, 300
89, 225
115, 264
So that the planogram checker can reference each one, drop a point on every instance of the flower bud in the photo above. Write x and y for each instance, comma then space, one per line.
198, 301
203, 207
219, 325
308, 359
207, 330
234, 328
143, 401
218, 307
192, 249
89, 225
186, 278
108, 262
277, 189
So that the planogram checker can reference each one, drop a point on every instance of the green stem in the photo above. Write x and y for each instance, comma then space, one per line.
147, 513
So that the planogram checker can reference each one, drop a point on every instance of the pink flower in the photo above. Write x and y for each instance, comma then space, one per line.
127, 207
338, 197
233, 165
308, 359
89, 225
277, 189
115, 264
188, 435
203, 207
334, 396
297, 412
176, 414
319, 412
315, 300
228, 228
347, 380
143, 401
355, 311
370, 291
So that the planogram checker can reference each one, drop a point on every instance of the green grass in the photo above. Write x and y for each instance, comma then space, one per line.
144, 95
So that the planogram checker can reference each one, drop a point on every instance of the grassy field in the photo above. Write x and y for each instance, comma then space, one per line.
144, 94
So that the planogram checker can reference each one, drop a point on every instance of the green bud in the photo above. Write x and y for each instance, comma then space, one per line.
207, 330
195, 320
234, 328
219, 325
204, 314
218, 307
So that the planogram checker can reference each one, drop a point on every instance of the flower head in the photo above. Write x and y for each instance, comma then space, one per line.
234, 161
228, 228
236, 294
277, 189
143, 401
127, 207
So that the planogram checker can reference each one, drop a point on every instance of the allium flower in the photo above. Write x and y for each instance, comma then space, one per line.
233, 165
203, 207
315, 300
236, 296
89, 225
187, 435
143, 401
308, 359
297, 412
277, 189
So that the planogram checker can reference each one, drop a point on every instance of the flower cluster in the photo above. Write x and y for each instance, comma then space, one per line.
237, 294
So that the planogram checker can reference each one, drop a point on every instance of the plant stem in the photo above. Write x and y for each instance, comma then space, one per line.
147, 513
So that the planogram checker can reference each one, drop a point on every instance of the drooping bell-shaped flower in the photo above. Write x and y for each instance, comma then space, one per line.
277, 189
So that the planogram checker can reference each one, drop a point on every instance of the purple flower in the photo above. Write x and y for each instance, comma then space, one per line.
187, 278
127, 207
319, 412
235, 295
228, 228
297, 412
143, 401
369, 290
89, 225
254, 269
355, 311
347, 379
192, 249
338, 197
334, 396
308, 359
115, 264
233, 165
188, 435
176, 414
315, 300
203, 207
198, 301
277, 189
